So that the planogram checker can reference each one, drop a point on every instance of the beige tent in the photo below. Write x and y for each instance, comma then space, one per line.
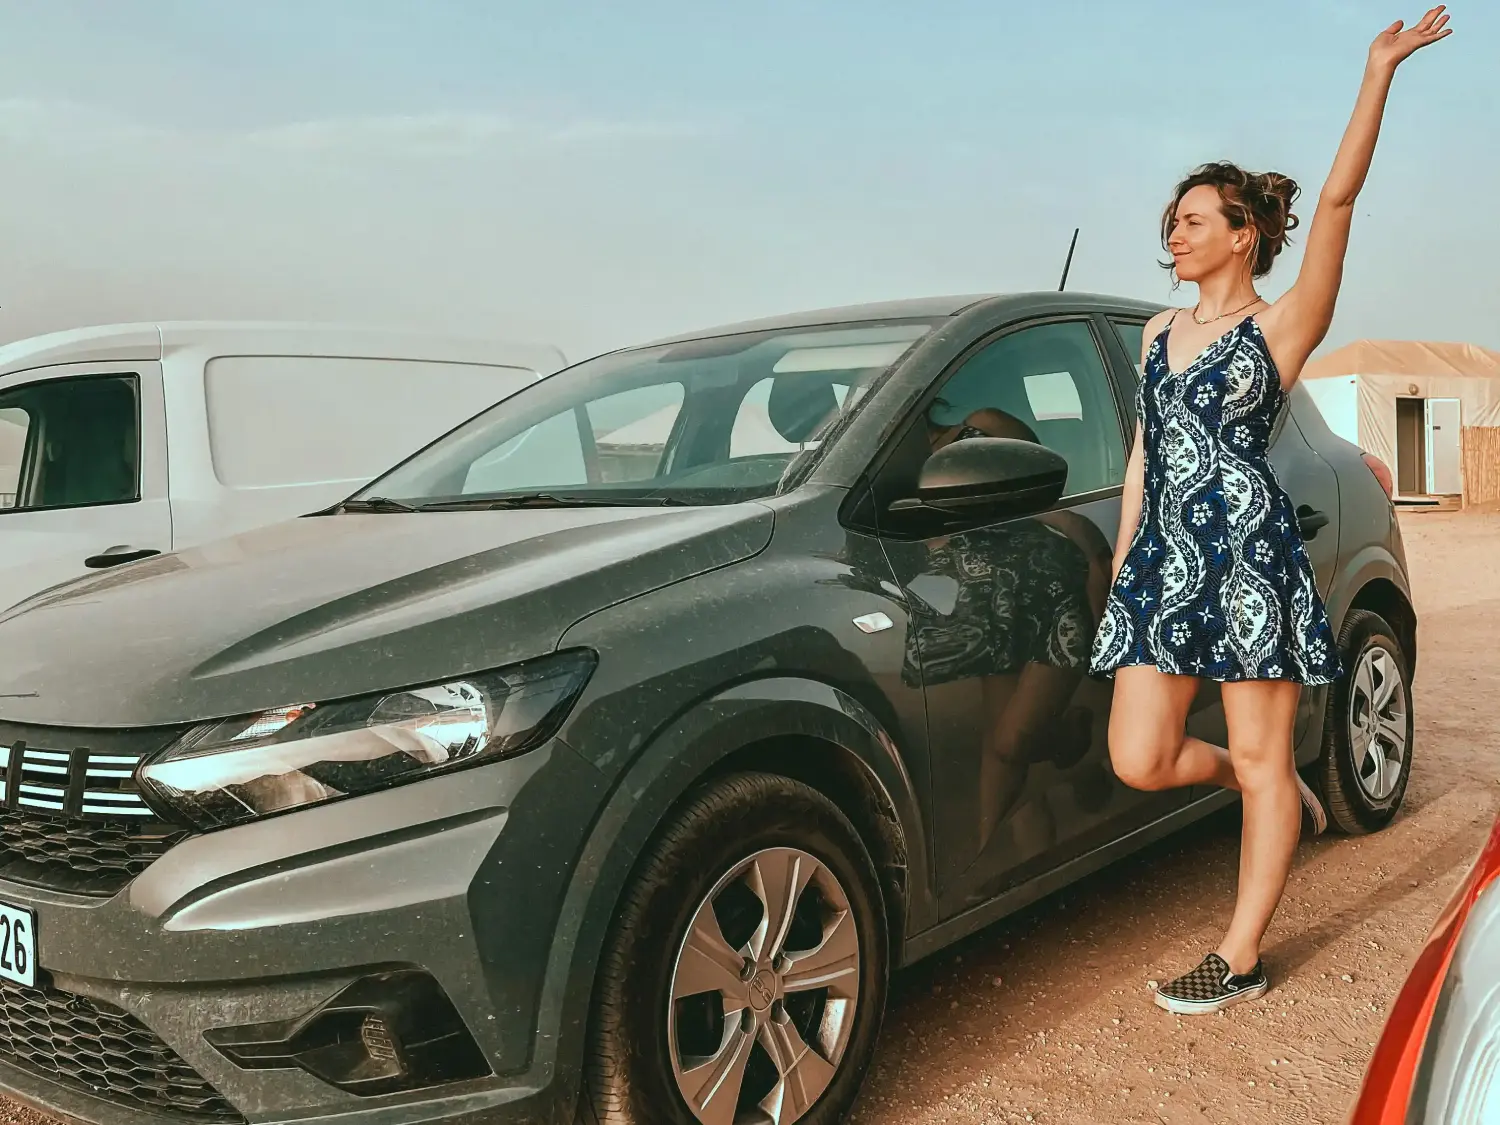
1431, 411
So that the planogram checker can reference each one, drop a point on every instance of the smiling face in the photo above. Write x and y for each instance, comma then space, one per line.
1201, 241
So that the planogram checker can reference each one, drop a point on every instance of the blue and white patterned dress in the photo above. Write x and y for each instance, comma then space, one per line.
1217, 582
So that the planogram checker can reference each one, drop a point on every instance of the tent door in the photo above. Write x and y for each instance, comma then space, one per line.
1444, 440
1411, 446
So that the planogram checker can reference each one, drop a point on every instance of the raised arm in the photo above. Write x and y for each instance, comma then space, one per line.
1298, 321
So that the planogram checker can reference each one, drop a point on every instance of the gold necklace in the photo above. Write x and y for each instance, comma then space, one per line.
1253, 301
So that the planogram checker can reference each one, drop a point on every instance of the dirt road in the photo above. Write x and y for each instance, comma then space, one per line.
1047, 1017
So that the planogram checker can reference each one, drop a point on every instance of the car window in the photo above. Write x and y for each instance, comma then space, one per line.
754, 434
714, 420
1132, 334
70, 443
611, 440
1051, 379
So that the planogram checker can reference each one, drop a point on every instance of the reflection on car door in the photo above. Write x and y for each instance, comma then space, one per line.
82, 474
1003, 619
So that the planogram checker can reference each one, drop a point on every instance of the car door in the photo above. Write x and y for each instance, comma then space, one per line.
1003, 617
82, 473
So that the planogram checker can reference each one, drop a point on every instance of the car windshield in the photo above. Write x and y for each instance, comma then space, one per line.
710, 421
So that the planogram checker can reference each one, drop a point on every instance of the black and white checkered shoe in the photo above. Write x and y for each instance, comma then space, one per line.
1210, 987
1313, 807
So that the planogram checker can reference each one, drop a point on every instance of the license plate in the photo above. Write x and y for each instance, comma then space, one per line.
17, 944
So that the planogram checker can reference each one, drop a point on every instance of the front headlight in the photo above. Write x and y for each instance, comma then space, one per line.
291, 757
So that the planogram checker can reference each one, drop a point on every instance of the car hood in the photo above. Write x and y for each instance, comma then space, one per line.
332, 606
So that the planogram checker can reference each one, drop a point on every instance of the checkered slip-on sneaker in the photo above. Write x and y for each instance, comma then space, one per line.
1313, 807
1210, 987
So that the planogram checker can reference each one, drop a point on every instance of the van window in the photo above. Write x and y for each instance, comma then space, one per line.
70, 443
14, 422
285, 420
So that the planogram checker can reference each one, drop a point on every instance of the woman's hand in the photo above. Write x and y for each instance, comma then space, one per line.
1394, 45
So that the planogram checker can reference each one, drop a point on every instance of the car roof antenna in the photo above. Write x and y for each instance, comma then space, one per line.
1068, 265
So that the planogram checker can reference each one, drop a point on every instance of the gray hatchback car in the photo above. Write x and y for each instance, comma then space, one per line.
603, 760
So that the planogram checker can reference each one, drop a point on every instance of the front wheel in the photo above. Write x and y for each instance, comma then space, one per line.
746, 972
1367, 733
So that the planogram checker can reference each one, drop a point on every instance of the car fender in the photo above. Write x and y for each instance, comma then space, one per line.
1370, 563
693, 747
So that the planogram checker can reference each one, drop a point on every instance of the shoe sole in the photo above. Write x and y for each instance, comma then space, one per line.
1313, 807
1207, 1007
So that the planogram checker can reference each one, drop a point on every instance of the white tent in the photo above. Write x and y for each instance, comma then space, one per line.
1431, 411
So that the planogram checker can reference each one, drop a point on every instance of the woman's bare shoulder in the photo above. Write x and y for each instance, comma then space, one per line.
1154, 328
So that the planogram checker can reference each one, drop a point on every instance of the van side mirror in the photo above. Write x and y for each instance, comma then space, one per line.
989, 479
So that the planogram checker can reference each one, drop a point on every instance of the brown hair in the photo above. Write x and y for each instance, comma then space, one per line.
1261, 200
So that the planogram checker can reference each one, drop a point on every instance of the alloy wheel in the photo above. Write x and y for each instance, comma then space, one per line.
763, 991
1377, 719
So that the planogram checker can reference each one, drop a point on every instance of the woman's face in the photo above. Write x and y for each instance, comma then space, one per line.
1202, 242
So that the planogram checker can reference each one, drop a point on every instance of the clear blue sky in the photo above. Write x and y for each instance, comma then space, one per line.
599, 173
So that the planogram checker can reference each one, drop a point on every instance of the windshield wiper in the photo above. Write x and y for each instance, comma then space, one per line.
376, 504
550, 500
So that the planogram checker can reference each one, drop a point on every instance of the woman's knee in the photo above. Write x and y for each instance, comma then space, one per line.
1145, 763
1262, 764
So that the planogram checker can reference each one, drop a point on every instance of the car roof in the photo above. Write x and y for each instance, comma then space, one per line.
118, 343
922, 308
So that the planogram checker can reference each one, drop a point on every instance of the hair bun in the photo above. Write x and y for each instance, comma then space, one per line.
1262, 200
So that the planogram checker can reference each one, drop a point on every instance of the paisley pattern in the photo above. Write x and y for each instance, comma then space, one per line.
1022, 599
1217, 583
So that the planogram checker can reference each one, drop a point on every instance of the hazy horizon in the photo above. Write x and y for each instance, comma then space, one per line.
590, 177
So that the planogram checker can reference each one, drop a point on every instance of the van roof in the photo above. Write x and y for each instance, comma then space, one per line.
111, 343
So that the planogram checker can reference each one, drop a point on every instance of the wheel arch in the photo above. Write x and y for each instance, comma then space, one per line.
1384, 597
805, 730
1374, 581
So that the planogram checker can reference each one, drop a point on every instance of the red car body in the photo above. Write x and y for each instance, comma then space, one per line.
1396, 1078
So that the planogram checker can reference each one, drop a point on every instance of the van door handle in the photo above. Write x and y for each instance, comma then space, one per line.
117, 556
1310, 522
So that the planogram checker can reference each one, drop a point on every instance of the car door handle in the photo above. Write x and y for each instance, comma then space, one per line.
1310, 521
117, 556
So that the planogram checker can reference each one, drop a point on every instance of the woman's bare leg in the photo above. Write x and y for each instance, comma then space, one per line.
1147, 744
1018, 710
1261, 716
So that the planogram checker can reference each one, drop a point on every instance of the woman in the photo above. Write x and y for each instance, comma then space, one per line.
1211, 579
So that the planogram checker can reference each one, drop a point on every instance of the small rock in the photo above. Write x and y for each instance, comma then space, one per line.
998, 981
1152, 985
1252, 1082
1347, 979
1115, 1021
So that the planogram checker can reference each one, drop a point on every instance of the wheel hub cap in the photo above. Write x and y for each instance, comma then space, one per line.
764, 991
1378, 710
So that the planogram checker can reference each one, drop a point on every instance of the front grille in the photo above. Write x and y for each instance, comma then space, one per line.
99, 1049
71, 816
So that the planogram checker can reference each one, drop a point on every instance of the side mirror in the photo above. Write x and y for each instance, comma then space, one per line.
989, 478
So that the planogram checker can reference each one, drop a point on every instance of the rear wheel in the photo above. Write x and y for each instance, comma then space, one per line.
1367, 733
746, 972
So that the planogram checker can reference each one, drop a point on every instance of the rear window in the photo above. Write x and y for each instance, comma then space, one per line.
286, 420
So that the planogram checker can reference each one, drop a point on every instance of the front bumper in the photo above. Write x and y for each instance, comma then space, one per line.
458, 877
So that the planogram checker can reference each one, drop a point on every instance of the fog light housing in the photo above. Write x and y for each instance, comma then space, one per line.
383, 1034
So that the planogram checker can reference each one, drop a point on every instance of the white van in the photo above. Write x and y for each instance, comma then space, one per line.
126, 441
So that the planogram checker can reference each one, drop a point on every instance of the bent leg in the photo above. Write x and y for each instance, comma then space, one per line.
1261, 716
1147, 744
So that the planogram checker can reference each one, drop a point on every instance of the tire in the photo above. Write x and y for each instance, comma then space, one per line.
1362, 794
741, 832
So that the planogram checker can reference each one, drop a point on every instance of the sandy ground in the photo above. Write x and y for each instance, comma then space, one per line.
1047, 1017
1003, 1029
